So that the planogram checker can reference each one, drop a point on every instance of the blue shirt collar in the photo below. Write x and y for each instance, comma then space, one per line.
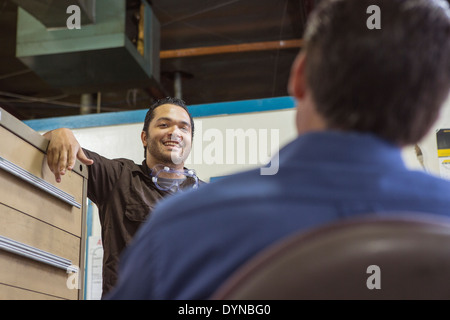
342, 147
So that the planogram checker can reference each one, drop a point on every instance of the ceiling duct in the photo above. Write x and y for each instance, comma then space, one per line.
52, 13
119, 50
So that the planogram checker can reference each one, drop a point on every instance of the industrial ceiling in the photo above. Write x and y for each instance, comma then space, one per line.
209, 51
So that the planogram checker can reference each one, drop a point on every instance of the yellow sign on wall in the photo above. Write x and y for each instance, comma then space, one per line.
443, 149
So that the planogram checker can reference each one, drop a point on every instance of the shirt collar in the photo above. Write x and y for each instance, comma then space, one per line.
343, 147
145, 168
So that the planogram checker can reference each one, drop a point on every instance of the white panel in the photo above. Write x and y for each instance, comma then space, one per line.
123, 141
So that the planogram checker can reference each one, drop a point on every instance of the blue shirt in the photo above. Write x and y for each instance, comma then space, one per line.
194, 241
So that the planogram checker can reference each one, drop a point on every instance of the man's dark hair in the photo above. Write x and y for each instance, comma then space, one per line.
151, 114
390, 81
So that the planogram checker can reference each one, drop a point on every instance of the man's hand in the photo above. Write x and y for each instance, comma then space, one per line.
62, 152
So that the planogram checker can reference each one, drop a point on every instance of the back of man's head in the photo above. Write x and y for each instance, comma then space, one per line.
383, 71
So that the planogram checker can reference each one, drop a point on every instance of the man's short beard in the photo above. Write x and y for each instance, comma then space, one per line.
174, 157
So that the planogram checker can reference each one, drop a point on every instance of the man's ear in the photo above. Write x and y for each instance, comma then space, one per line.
297, 79
144, 138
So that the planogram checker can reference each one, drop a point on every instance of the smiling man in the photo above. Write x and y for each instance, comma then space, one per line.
167, 135
125, 192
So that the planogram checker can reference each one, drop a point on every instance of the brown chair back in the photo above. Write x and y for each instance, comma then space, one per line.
401, 257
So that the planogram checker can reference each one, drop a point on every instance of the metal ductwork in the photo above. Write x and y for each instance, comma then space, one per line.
116, 46
52, 13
